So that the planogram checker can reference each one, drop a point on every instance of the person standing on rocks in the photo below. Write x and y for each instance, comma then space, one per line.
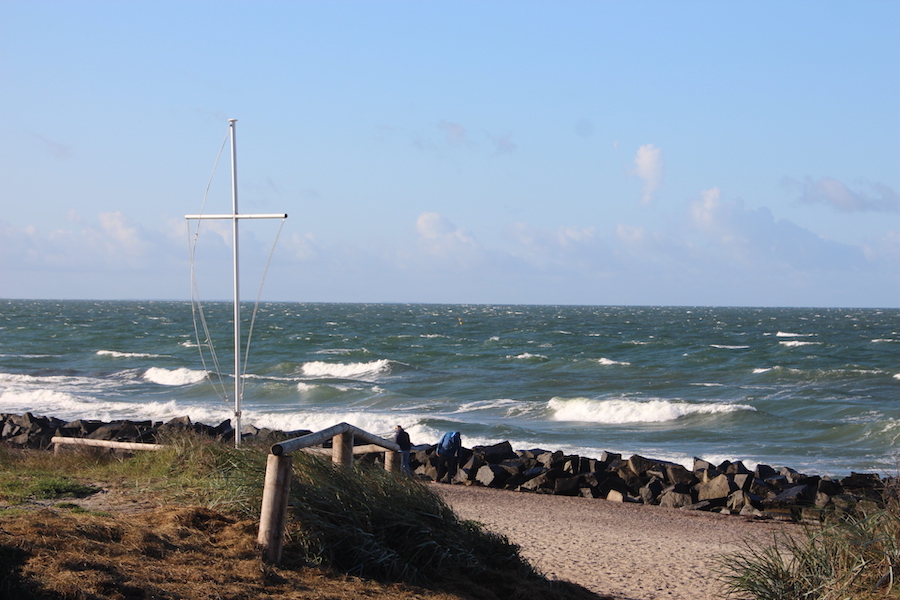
447, 456
401, 438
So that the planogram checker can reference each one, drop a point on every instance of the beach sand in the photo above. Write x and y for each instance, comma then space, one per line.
628, 551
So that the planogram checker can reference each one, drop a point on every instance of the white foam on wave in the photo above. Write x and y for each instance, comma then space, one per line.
506, 406
759, 370
884, 340
526, 356
67, 406
362, 370
339, 351
621, 411
379, 423
789, 334
116, 354
181, 376
727, 347
897, 376
796, 343
610, 362
63, 382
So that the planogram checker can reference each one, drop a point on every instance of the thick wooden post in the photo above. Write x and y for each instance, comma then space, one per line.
342, 448
273, 514
391, 461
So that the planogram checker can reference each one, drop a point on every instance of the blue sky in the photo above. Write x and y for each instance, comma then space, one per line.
643, 153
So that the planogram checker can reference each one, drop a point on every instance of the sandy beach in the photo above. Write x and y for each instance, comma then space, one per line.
628, 551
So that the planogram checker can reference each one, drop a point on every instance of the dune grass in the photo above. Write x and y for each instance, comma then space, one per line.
854, 556
367, 522
359, 521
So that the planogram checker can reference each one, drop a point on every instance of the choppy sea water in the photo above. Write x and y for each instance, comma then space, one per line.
814, 389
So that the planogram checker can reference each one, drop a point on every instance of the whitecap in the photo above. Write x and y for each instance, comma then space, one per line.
115, 354
609, 361
361, 370
796, 343
726, 347
527, 355
181, 376
630, 411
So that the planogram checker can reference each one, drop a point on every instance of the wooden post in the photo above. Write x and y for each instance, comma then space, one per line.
342, 448
391, 461
273, 514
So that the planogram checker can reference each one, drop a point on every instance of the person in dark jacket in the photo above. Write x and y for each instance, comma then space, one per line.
447, 455
401, 438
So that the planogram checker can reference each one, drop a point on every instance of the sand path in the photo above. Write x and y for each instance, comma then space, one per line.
629, 551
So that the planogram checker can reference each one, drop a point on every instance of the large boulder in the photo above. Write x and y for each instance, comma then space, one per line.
493, 476
798, 495
671, 498
717, 489
495, 453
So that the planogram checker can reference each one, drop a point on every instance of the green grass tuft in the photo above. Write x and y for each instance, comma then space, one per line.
855, 556
367, 522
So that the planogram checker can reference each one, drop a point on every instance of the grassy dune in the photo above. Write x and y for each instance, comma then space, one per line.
181, 524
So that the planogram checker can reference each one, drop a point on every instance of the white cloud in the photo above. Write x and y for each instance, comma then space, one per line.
565, 248
874, 197
439, 237
648, 165
120, 237
704, 212
754, 239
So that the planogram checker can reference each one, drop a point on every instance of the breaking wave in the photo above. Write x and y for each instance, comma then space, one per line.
180, 376
361, 370
632, 411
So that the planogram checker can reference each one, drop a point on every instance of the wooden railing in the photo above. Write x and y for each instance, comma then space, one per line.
273, 514
277, 488
58, 441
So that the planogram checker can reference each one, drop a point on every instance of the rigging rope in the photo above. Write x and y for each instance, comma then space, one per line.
196, 304
258, 294
220, 388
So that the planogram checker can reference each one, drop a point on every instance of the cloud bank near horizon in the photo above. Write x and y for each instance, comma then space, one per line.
431, 259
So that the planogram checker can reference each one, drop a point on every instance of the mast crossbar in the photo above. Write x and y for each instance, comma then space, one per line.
260, 216
234, 217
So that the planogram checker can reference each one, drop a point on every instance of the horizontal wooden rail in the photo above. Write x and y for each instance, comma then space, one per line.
364, 449
319, 437
104, 443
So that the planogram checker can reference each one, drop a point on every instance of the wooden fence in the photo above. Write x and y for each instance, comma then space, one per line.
277, 488
273, 514
59, 441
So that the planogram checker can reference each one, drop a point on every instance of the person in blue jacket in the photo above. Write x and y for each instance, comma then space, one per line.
447, 455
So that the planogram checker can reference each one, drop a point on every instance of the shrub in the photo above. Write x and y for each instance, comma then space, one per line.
854, 556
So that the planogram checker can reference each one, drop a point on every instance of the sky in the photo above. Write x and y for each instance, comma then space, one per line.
597, 153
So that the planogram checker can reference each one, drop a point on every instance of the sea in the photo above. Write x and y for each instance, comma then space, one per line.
814, 389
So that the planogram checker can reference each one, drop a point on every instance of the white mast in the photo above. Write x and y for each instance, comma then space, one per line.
235, 216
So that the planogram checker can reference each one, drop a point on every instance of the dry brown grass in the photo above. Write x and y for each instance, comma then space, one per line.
174, 553
144, 536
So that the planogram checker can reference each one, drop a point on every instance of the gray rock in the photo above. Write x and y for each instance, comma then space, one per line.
718, 488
